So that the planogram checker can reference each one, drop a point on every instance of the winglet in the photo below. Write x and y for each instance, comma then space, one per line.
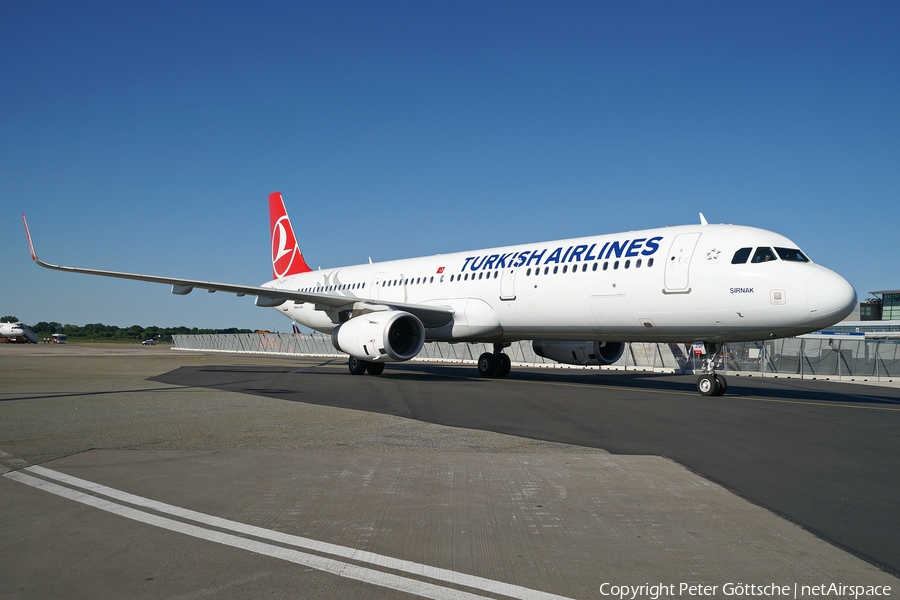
703, 220
286, 256
30, 243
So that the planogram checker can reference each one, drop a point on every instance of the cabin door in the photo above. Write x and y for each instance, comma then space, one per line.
678, 262
375, 291
508, 284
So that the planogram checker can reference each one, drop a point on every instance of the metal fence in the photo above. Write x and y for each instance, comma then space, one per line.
806, 357
801, 357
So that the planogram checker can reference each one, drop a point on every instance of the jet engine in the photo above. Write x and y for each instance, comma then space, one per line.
579, 353
381, 336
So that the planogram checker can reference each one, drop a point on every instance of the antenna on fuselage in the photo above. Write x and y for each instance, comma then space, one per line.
703, 220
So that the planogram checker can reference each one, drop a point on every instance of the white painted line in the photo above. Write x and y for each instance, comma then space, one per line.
335, 567
344, 552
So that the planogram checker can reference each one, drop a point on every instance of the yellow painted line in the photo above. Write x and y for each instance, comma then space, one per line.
814, 403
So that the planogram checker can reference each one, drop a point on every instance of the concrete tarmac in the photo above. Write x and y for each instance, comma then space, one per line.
144, 472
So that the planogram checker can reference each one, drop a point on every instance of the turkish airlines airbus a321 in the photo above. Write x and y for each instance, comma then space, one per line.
579, 300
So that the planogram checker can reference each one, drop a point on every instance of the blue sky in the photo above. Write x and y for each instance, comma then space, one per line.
146, 136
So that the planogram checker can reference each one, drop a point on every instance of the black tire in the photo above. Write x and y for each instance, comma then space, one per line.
487, 365
357, 365
723, 385
375, 368
504, 366
707, 385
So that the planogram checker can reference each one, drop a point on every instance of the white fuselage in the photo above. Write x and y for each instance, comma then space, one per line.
675, 284
17, 330
12, 330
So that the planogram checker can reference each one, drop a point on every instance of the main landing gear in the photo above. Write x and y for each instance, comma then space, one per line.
494, 364
710, 383
359, 366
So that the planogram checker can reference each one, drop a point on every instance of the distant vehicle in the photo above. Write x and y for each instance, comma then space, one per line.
17, 332
148, 342
579, 300
58, 338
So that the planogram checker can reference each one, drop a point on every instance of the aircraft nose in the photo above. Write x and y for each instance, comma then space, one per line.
830, 297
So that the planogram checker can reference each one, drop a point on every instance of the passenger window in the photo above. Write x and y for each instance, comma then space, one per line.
584, 267
605, 265
791, 255
616, 265
528, 272
555, 269
741, 256
546, 270
496, 273
763, 254
637, 265
627, 263
594, 268
565, 268
649, 262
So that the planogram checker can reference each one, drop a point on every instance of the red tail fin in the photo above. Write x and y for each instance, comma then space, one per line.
286, 256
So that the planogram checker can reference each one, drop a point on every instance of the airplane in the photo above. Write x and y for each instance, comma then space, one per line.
579, 300
18, 330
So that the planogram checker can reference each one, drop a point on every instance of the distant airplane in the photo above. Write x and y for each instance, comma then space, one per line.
18, 330
579, 300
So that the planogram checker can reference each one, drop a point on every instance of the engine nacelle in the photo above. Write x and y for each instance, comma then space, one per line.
381, 336
579, 353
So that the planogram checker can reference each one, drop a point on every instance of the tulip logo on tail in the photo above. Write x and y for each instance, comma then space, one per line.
286, 256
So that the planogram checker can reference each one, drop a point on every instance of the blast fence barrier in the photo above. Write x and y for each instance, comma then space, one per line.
845, 360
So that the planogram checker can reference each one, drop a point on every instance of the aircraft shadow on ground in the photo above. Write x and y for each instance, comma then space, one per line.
769, 388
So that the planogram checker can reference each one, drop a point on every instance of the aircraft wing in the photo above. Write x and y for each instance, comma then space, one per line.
431, 316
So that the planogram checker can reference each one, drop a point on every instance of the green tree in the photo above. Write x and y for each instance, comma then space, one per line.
9, 319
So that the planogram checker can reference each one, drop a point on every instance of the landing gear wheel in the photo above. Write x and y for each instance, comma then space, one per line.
707, 385
357, 366
722, 387
487, 365
504, 365
375, 368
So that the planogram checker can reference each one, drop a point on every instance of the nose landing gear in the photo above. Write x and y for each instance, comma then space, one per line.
710, 383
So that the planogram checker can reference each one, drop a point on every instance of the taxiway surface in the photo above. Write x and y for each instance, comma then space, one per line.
142, 471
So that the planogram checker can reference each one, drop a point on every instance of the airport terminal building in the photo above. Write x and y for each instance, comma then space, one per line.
879, 316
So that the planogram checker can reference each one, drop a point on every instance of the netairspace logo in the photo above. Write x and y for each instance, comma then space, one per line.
740, 590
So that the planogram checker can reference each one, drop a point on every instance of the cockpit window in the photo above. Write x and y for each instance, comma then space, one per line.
791, 254
741, 256
763, 254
